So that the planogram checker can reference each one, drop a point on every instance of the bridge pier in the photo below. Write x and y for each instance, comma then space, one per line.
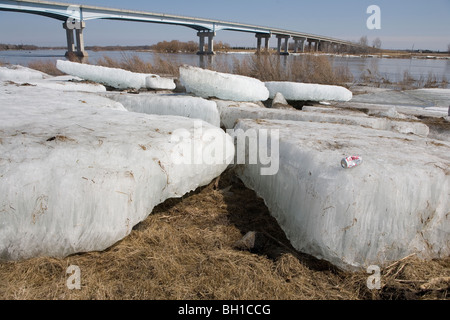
280, 37
324, 46
266, 37
316, 45
201, 43
78, 27
302, 41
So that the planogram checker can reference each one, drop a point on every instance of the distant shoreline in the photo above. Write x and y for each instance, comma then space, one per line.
152, 48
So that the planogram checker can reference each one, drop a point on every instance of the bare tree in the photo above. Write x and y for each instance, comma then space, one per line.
376, 43
363, 41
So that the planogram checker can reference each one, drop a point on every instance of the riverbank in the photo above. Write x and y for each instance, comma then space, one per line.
186, 248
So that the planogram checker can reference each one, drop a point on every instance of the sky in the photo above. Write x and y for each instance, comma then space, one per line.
405, 24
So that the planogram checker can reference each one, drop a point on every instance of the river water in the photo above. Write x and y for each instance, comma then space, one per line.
390, 69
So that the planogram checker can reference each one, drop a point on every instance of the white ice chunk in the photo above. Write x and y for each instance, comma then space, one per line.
75, 178
206, 83
237, 104
70, 99
167, 104
63, 85
70, 86
308, 91
229, 117
392, 113
158, 83
116, 78
394, 204
279, 102
18, 73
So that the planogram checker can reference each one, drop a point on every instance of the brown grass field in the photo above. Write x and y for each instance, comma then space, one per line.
185, 250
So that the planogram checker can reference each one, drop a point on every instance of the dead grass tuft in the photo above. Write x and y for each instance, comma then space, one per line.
48, 67
305, 68
133, 63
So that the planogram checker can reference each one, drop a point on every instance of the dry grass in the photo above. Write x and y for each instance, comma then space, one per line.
48, 67
185, 250
133, 63
272, 67
305, 68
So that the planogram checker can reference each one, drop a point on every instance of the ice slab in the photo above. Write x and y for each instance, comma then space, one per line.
207, 84
21, 74
308, 91
116, 78
171, 104
63, 85
37, 94
76, 178
159, 83
437, 100
394, 204
229, 117
440, 98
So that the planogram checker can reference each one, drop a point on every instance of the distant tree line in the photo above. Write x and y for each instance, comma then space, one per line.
176, 46
118, 48
17, 47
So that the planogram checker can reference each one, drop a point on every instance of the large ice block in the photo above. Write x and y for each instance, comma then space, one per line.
170, 104
230, 115
114, 77
308, 91
77, 178
393, 204
207, 84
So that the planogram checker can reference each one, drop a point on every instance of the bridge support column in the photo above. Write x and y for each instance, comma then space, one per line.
302, 42
80, 40
343, 48
266, 37
316, 45
280, 37
70, 40
78, 27
201, 47
324, 46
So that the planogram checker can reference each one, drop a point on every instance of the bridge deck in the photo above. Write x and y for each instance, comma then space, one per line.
64, 11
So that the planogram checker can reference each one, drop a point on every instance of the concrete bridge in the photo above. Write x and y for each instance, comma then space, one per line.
74, 17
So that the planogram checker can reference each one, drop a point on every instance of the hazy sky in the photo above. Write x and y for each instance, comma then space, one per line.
417, 24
